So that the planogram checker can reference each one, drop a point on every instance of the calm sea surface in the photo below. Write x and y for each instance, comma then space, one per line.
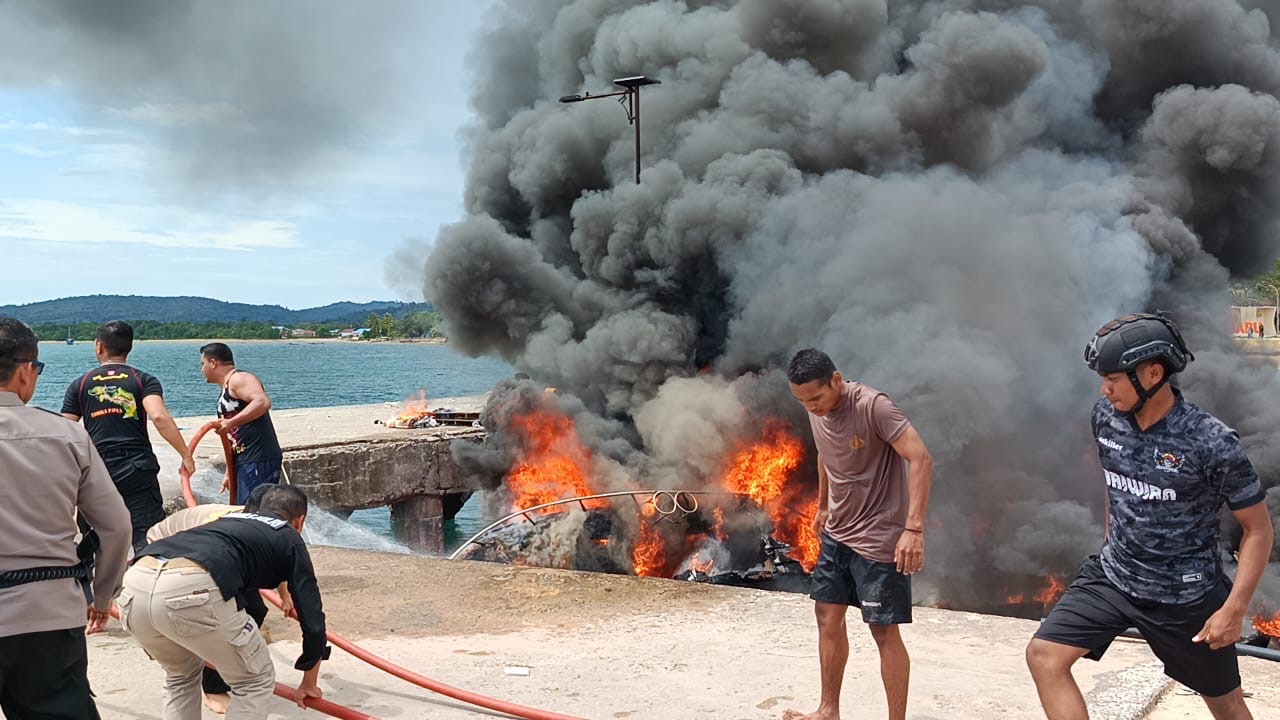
299, 374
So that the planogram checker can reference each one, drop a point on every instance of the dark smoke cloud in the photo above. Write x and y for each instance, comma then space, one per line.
244, 95
948, 196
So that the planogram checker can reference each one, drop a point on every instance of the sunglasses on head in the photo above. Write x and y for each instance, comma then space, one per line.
35, 364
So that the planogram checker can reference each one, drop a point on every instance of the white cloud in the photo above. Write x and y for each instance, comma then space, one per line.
31, 151
211, 114
170, 227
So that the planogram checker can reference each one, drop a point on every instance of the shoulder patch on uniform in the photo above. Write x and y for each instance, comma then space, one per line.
276, 523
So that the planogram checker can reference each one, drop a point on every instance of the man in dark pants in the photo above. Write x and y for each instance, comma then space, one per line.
180, 603
216, 690
870, 522
1169, 467
243, 416
115, 401
49, 470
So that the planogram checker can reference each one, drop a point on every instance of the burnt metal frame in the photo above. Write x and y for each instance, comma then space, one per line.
653, 498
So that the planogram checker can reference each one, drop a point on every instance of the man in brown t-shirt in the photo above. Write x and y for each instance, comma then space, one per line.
870, 521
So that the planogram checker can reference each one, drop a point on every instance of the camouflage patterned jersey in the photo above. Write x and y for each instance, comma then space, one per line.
1165, 487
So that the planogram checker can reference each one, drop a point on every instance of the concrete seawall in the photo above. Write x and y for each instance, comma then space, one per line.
346, 461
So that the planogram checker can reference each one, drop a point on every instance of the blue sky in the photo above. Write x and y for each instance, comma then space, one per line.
102, 189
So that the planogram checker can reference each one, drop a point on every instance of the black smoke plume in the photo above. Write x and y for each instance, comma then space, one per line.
948, 196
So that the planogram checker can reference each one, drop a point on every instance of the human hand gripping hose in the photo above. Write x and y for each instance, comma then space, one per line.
333, 709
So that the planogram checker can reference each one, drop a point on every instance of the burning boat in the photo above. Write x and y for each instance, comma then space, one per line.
752, 526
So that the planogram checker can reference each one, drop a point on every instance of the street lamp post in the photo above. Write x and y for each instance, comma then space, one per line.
629, 97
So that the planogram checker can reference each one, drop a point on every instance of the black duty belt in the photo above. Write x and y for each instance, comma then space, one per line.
14, 578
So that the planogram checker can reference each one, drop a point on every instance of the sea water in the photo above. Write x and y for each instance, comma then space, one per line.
304, 374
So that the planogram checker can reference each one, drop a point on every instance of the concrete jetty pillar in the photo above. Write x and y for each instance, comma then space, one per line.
418, 522
412, 472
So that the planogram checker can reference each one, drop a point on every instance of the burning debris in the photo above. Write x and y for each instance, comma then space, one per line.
414, 414
1268, 629
949, 198
738, 532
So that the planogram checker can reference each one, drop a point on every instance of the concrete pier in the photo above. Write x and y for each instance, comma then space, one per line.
345, 460
609, 647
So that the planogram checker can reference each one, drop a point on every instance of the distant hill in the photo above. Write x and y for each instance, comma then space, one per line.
101, 308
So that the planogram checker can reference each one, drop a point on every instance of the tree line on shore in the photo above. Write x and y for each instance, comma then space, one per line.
422, 324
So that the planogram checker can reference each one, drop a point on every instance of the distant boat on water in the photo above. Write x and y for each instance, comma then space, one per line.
70, 340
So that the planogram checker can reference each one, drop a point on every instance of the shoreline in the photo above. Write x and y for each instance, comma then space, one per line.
388, 341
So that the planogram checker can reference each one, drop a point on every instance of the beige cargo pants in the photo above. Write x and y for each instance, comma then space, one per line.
176, 612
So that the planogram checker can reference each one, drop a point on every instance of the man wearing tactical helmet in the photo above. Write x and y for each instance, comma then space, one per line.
1169, 467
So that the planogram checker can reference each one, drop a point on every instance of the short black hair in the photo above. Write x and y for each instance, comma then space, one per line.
254, 501
18, 344
116, 337
284, 501
810, 364
219, 352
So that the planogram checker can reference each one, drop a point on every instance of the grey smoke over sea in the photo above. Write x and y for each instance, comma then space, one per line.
949, 197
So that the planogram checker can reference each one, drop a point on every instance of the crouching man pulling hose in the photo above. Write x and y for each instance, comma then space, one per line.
179, 603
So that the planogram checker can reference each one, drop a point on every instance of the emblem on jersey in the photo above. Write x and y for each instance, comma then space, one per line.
1168, 462
125, 402
110, 376
1109, 443
857, 443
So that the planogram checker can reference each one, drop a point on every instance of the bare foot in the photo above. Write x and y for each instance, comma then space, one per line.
217, 703
819, 714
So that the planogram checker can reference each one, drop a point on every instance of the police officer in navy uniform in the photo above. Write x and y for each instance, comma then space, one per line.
180, 603
49, 469
1168, 468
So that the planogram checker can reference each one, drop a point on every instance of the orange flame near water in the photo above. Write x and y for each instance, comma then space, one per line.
1269, 627
763, 471
411, 411
553, 466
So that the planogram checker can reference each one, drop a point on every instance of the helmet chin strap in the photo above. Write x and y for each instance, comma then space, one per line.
1143, 395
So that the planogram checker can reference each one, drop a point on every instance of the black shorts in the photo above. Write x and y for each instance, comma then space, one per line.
1094, 611
843, 577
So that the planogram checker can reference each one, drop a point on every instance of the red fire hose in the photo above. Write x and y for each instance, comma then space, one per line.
421, 681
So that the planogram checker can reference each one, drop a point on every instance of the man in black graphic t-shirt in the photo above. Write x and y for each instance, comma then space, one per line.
1168, 468
115, 401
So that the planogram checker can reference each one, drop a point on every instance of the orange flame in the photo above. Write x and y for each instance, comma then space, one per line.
762, 471
553, 465
1051, 592
1016, 599
701, 566
649, 556
411, 411
1267, 627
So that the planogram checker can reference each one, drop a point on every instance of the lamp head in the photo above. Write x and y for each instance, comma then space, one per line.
635, 81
